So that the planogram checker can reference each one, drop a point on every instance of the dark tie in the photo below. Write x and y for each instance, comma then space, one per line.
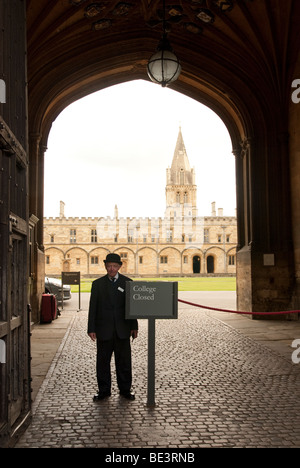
113, 281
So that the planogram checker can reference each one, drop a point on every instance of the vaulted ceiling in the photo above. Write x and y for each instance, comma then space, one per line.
237, 56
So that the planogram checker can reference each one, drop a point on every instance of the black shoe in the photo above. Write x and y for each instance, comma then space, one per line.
101, 396
128, 395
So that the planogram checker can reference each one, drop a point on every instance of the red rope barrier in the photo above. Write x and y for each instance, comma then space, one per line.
239, 312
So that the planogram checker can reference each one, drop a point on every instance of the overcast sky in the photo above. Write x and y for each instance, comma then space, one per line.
113, 148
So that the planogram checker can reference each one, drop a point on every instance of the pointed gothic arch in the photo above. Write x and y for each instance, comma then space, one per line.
252, 97
232, 63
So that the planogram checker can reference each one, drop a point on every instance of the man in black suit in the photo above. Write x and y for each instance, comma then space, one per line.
107, 325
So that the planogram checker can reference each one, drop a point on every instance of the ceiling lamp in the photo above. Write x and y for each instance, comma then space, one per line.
164, 67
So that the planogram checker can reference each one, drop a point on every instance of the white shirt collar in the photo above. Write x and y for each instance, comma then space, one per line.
115, 277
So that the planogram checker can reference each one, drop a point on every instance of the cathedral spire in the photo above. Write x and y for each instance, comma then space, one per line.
181, 190
180, 161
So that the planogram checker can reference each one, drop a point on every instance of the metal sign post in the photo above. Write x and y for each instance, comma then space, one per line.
151, 300
71, 277
151, 363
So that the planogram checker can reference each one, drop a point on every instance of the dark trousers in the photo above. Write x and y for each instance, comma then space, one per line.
122, 352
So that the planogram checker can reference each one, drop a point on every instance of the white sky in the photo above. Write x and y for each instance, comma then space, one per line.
114, 146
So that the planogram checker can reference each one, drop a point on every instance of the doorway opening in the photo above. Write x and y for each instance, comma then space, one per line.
210, 264
196, 264
119, 195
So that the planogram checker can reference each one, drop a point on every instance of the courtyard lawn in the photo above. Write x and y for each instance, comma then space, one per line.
201, 284
184, 283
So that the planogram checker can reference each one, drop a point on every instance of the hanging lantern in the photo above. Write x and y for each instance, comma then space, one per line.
164, 67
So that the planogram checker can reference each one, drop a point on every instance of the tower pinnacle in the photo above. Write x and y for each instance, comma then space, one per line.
181, 190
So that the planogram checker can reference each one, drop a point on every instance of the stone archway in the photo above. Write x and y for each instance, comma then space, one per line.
239, 58
235, 77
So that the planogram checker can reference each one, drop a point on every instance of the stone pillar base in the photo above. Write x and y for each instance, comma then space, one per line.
265, 283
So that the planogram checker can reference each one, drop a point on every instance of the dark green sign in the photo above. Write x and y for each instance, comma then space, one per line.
155, 299
70, 277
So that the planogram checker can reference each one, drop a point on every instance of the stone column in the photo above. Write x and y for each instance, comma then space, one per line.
34, 145
40, 197
264, 258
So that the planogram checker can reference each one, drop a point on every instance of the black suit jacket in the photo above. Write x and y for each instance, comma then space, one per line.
107, 309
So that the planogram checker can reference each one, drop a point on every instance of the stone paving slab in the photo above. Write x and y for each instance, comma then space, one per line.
46, 339
215, 387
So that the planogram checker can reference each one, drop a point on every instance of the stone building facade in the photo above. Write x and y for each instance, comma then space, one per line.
180, 243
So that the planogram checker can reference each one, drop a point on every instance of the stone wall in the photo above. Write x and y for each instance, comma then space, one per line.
147, 246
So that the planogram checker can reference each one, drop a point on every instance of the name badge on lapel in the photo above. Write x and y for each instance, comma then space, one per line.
120, 289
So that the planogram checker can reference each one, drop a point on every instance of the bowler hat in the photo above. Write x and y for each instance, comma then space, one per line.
113, 258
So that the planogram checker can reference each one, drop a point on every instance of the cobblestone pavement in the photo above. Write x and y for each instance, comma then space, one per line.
214, 388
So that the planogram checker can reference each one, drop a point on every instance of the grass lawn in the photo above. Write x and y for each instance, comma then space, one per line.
184, 284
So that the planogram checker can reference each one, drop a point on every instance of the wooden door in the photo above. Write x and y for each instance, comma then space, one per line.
15, 399
14, 316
